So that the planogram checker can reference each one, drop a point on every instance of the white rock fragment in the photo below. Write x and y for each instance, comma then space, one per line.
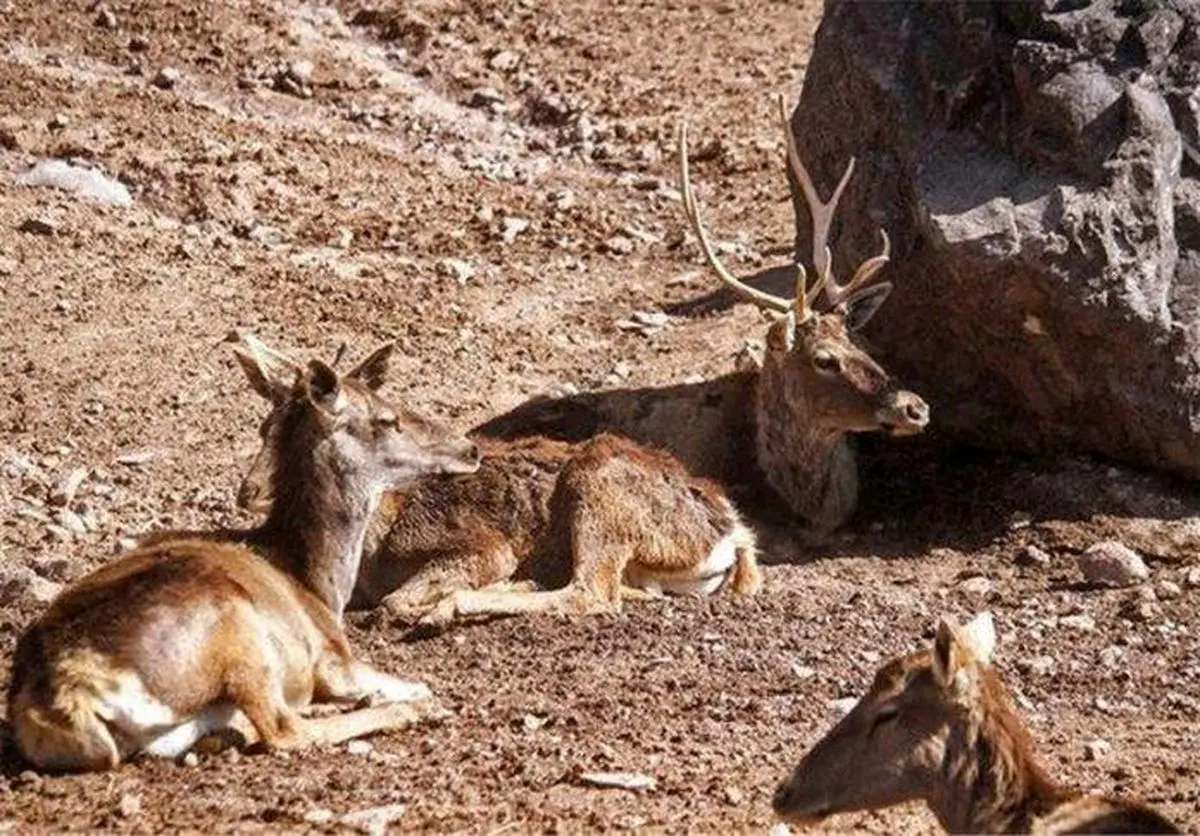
85, 182
619, 780
1112, 563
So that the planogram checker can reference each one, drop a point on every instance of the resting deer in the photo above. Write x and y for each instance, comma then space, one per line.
816, 384
193, 635
596, 522
938, 725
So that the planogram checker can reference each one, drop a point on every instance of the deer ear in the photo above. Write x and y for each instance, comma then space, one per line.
980, 636
271, 374
323, 387
373, 370
863, 304
781, 336
951, 659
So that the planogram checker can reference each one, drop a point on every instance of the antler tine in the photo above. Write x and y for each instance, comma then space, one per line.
759, 297
822, 213
866, 271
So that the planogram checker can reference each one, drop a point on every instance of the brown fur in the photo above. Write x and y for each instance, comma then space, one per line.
188, 636
594, 522
939, 725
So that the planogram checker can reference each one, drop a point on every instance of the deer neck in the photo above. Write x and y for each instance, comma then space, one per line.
989, 780
811, 467
317, 525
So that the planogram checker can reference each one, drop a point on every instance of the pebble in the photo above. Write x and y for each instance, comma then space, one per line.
1113, 563
20, 582
504, 61
374, 819
1096, 749
1033, 556
1168, 590
619, 780
167, 77
105, 17
38, 226
1193, 577
1082, 622
359, 747
190, 760
129, 805
978, 587
301, 70
512, 227
844, 706
619, 245
458, 269
63, 494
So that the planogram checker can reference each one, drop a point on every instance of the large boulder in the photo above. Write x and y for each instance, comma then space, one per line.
1036, 163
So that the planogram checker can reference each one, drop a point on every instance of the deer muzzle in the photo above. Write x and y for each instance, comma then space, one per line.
903, 413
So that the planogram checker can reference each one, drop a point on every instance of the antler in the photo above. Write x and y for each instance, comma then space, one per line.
759, 297
822, 214
822, 218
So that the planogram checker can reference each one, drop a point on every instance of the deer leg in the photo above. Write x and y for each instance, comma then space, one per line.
341, 679
466, 603
746, 577
478, 563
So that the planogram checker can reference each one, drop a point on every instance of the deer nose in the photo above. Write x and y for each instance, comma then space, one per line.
905, 413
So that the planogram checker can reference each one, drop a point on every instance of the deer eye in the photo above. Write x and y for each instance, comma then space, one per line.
885, 714
826, 363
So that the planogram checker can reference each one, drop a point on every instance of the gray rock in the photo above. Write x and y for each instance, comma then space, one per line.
1035, 180
167, 78
19, 583
1112, 563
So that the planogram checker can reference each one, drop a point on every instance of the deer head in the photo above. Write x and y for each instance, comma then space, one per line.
892, 745
361, 427
817, 383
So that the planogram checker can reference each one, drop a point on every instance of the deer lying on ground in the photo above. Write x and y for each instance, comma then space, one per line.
938, 725
816, 384
193, 635
542, 526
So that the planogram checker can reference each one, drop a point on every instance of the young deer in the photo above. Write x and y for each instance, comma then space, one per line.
816, 384
939, 726
197, 634
590, 523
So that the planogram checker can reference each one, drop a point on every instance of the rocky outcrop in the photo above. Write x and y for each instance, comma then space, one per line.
1036, 163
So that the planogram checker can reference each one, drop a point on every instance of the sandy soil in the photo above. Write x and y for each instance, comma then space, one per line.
532, 144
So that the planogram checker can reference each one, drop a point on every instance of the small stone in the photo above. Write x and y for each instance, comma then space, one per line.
1096, 749
1112, 656
38, 226
58, 121
129, 805
1112, 563
456, 268
301, 70
318, 816
1193, 577
1082, 622
803, 671
1168, 590
167, 78
531, 722
977, 587
190, 759
71, 521
512, 227
484, 97
619, 245
20, 582
138, 43
374, 819
105, 18
1038, 666
63, 494
359, 747
1033, 556
734, 796
504, 61
619, 780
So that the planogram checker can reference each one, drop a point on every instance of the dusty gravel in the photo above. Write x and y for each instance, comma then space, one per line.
492, 184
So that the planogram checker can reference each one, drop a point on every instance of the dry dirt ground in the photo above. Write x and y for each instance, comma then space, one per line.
533, 144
